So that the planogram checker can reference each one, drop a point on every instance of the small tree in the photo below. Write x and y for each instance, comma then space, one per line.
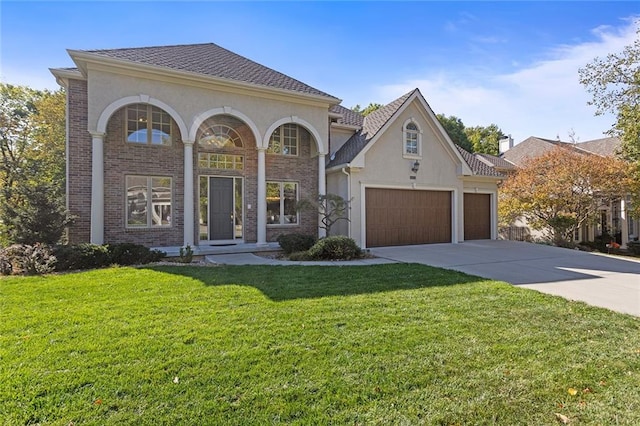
332, 208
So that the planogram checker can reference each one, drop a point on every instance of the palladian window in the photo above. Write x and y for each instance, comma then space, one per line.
147, 124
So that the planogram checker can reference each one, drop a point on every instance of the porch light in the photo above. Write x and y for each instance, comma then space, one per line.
415, 167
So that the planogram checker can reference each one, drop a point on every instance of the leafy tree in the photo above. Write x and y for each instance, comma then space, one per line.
614, 84
485, 139
32, 164
332, 208
368, 110
456, 130
561, 190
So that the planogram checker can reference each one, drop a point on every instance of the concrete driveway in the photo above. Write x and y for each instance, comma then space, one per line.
600, 280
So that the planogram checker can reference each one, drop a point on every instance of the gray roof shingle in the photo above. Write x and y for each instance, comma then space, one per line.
533, 147
211, 60
371, 125
349, 117
478, 167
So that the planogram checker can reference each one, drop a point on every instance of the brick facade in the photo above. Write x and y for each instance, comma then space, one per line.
122, 158
78, 162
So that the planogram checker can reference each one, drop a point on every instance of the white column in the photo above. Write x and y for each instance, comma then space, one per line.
262, 198
322, 190
97, 188
624, 225
188, 194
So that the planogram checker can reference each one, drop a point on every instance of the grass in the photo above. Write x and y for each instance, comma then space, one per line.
386, 344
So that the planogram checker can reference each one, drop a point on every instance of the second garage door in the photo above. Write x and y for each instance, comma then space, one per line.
397, 217
477, 216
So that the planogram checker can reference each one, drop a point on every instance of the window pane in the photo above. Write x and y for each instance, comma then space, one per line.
161, 201
136, 201
161, 127
273, 202
290, 198
275, 142
238, 206
204, 208
137, 122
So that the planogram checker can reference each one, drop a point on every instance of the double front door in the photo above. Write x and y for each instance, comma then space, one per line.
221, 206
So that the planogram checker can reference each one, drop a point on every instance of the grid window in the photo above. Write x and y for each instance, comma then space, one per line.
284, 140
411, 139
147, 124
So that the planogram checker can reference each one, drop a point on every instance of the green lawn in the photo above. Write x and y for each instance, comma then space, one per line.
387, 344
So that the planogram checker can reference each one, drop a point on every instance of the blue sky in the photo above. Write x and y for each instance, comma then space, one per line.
514, 64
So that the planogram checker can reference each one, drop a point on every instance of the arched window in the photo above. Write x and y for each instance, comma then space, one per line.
220, 136
147, 124
284, 140
412, 139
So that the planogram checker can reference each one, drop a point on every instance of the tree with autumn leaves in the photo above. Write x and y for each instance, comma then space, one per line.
561, 190
32, 165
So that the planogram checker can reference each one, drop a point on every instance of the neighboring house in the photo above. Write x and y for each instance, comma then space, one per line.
613, 217
195, 145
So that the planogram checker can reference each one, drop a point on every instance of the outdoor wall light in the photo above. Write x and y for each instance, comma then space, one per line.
415, 167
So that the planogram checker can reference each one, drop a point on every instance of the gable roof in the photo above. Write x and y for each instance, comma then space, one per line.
210, 60
533, 147
607, 147
371, 125
497, 162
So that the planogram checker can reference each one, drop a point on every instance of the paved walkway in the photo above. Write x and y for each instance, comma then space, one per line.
611, 282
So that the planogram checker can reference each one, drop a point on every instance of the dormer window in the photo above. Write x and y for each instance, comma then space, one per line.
147, 124
412, 139
284, 140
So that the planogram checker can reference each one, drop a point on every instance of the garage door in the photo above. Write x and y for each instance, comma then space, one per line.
477, 216
397, 217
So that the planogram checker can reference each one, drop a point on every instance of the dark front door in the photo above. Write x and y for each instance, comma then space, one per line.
221, 208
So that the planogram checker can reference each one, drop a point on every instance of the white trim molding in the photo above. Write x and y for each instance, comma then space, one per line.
97, 188
139, 99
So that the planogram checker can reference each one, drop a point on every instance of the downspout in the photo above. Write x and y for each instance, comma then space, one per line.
344, 170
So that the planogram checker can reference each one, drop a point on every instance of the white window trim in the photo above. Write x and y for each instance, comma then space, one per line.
412, 156
281, 218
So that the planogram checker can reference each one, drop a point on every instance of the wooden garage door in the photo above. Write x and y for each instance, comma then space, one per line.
397, 217
477, 216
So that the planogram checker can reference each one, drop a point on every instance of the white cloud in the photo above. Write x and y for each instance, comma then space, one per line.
543, 99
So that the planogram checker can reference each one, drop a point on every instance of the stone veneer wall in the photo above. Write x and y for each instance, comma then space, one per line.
79, 163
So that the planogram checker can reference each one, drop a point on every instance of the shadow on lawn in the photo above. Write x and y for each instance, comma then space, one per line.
280, 283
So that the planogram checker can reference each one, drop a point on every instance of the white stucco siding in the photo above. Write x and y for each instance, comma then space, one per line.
338, 138
386, 166
337, 183
191, 99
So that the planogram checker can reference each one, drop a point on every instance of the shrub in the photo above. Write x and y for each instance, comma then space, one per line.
335, 248
300, 256
27, 259
133, 254
81, 256
292, 243
634, 247
186, 254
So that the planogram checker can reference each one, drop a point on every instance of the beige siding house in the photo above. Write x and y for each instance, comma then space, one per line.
195, 145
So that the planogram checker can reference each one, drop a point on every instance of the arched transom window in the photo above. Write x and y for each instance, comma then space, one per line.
220, 136
412, 139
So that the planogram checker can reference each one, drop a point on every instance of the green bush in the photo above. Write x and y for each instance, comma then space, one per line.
81, 256
300, 256
292, 243
27, 259
91, 256
186, 254
335, 248
634, 247
133, 254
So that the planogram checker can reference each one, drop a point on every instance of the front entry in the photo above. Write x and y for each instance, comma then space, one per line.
221, 208
221, 214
